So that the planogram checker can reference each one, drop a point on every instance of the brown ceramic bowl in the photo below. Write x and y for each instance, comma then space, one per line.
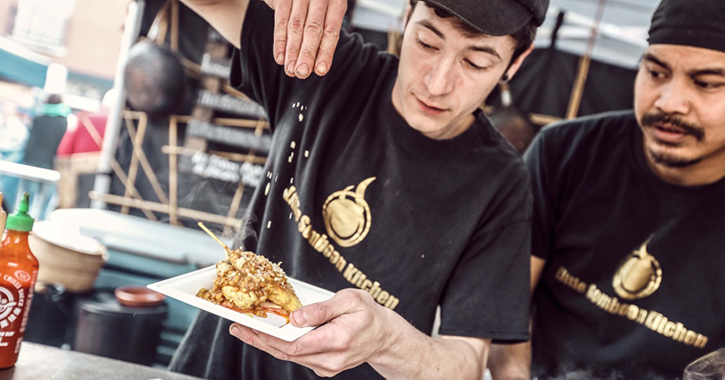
138, 296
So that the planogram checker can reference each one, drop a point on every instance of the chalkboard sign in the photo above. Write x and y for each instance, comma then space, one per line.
216, 167
214, 36
215, 67
230, 136
231, 104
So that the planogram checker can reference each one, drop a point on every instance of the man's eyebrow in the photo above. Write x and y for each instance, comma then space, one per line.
655, 60
485, 49
707, 71
432, 28
692, 73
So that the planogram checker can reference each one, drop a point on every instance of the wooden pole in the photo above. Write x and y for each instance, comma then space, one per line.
578, 90
234, 207
158, 207
86, 122
133, 168
220, 121
232, 91
173, 171
160, 25
134, 193
145, 165
174, 25
252, 159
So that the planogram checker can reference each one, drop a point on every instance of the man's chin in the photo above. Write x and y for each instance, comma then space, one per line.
670, 159
425, 125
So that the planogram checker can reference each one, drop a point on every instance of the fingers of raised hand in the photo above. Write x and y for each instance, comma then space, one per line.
330, 35
306, 34
295, 30
282, 11
311, 38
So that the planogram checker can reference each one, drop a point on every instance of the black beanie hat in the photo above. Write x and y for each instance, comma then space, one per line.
696, 23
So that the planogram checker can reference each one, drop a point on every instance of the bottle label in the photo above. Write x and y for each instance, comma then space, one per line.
12, 302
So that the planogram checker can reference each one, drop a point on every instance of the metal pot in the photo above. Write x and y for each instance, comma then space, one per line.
154, 79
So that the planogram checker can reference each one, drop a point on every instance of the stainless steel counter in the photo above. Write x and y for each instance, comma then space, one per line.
42, 362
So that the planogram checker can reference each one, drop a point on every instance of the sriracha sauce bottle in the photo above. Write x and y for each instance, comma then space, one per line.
18, 272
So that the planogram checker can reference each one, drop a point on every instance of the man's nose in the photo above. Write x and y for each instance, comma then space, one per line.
439, 80
673, 98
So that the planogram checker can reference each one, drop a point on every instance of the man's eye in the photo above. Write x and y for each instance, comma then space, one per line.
707, 85
655, 74
474, 66
425, 45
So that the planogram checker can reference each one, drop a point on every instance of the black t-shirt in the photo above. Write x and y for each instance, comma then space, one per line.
633, 279
354, 197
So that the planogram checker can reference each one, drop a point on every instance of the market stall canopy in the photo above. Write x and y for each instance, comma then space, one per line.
21, 65
623, 30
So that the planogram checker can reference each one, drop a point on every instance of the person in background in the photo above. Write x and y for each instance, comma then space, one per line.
385, 184
629, 215
46, 132
87, 135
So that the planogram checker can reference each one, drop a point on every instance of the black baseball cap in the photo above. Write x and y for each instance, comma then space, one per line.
496, 17
697, 23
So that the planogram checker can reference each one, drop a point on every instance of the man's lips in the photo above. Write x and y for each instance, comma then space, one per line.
428, 108
669, 133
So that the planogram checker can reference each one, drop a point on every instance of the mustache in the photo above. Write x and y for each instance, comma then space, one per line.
651, 119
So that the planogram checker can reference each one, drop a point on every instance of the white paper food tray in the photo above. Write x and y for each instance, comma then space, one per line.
185, 287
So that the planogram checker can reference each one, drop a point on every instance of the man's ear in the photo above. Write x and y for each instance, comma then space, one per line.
516, 65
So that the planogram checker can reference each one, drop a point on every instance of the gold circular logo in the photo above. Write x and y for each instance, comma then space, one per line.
347, 214
638, 276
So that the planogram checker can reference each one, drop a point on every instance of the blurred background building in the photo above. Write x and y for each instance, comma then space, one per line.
84, 36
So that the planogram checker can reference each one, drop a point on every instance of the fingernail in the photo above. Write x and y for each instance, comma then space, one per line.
235, 330
298, 316
303, 70
280, 58
321, 68
291, 68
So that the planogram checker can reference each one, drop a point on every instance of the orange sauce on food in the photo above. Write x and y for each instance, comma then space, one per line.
251, 311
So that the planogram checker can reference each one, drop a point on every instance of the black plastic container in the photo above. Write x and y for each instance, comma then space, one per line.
106, 328
51, 316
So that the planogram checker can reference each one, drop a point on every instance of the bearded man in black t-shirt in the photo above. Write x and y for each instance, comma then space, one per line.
386, 184
629, 219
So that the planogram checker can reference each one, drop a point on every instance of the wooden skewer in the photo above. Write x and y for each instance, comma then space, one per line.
226, 249
203, 227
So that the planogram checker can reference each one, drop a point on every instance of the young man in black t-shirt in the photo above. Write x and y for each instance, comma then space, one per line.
384, 177
629, 218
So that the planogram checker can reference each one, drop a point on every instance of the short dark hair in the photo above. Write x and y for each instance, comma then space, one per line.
524, 37
53, 99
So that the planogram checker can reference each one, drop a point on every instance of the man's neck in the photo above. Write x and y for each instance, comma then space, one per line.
705, 172
453, 129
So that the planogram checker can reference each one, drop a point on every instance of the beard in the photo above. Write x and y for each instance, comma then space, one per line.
660, 153
672, 160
